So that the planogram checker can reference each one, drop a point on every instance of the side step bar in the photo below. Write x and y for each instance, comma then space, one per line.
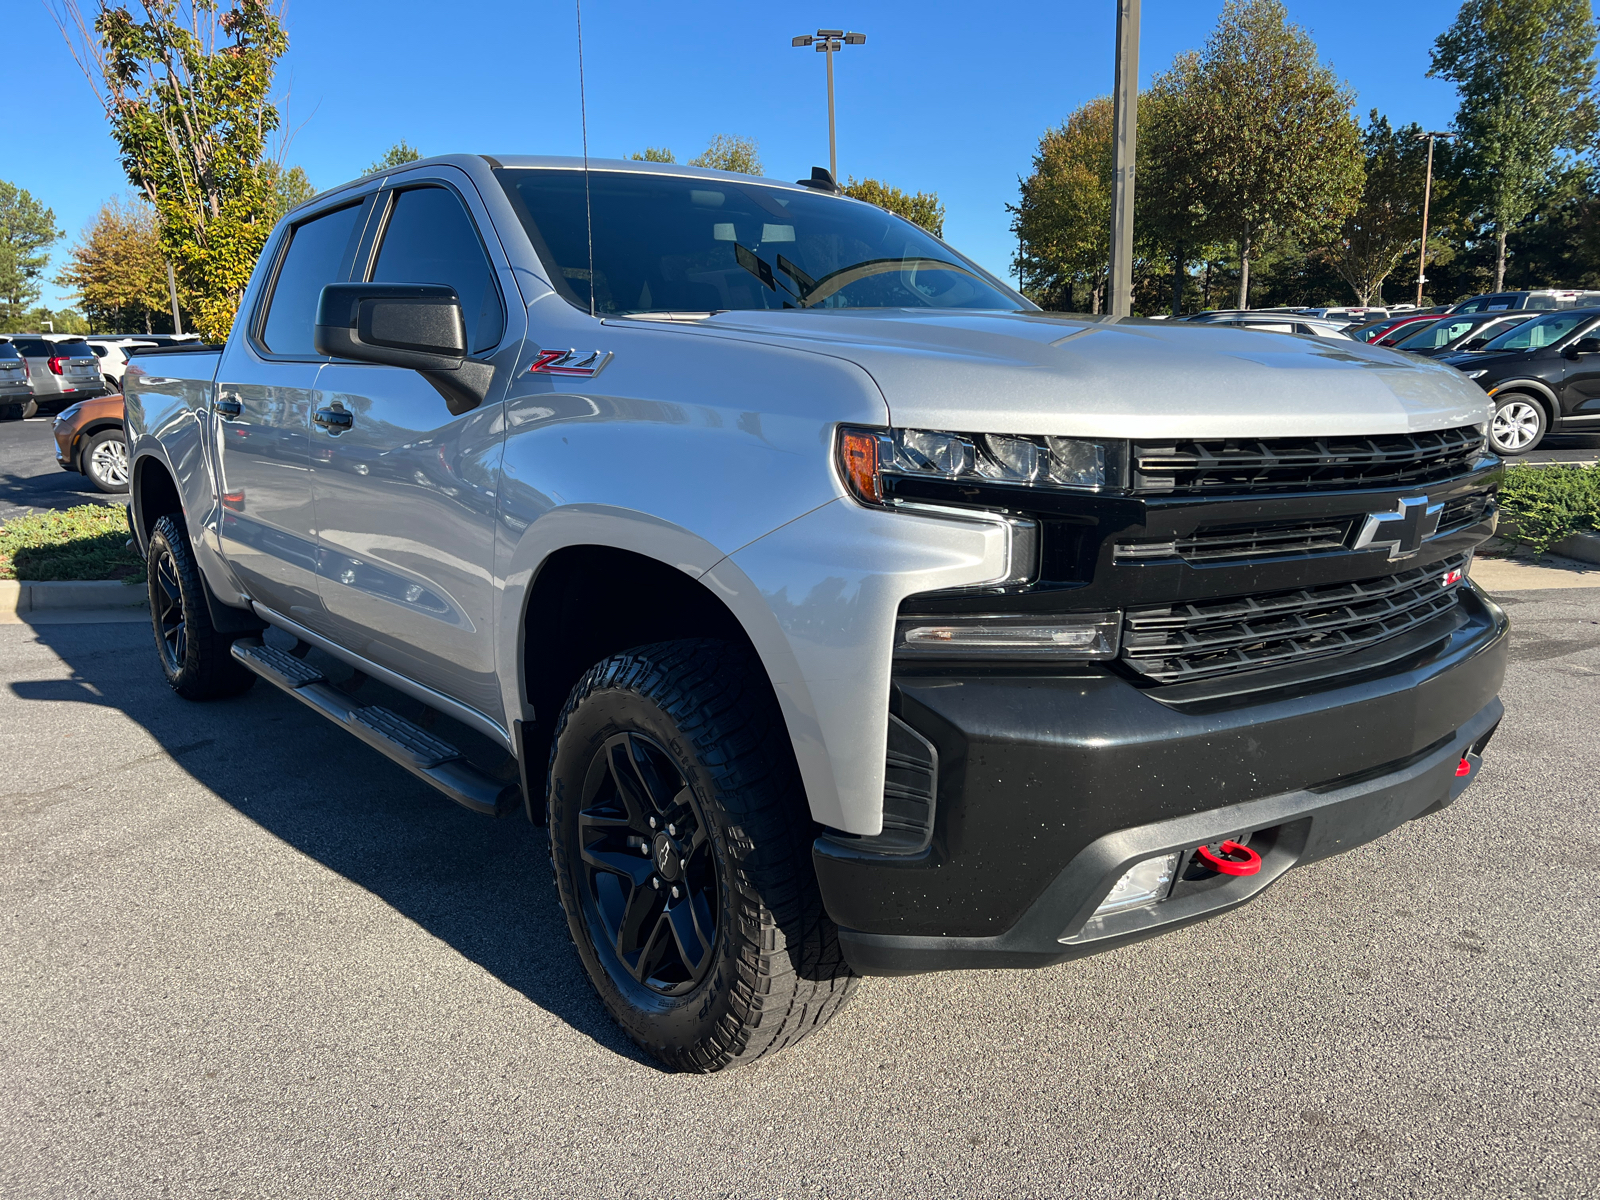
428, 758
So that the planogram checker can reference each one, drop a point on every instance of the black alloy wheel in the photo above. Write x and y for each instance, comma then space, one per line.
197, 660
649, 882
166, 611
681, 845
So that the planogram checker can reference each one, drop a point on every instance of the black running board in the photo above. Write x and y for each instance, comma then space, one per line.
430, 759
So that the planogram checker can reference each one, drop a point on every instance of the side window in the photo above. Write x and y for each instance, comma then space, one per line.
431, 239
316, 253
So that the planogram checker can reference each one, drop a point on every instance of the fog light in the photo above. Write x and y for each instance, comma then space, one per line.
1144, 884
1075, 635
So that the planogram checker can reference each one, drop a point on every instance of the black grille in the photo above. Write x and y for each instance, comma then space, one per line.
1301, 464
1464, 511
1207, 638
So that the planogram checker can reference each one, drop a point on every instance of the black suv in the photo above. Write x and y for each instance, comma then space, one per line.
1544, 376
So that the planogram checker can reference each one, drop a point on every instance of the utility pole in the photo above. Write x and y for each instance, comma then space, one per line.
172, 290
1126, 118
1427, 193
830, 42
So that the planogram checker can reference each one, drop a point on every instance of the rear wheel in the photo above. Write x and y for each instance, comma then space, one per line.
681, 847
197, 660
105, 460
1519, 424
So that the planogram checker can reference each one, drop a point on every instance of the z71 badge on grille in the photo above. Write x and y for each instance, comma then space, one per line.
569, 362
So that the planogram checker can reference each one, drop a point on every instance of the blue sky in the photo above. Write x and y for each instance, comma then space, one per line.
940, 98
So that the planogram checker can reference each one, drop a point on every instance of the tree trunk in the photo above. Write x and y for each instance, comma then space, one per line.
1205, 288
1095, 300
1177, 283
1500, 259
1244, 270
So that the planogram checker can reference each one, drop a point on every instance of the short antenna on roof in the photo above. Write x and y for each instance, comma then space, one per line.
583, 116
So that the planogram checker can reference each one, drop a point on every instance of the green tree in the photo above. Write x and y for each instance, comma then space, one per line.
186, 86
920, 208
1172, 214
1277, 153
654, 154
1387, 220
397, 155
289, 188
116, 269
1063, 219
727, 153
27, 230
1525, 73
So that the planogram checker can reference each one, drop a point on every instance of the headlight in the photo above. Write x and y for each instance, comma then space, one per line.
1478, 372
67, 413
867, 457
1054, 636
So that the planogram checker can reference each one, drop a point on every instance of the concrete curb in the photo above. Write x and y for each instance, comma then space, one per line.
1585, 547
19, 597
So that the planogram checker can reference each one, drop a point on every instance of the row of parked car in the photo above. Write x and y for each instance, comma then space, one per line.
79, 379
1536, 352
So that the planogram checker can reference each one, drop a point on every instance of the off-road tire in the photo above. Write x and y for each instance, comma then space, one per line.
196, 659
100, 463
776, 972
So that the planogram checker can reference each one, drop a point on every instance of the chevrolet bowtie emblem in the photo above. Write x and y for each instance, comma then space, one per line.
1403, 531
569, 362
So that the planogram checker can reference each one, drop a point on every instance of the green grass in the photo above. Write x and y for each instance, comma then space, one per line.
1546, 504
86, 542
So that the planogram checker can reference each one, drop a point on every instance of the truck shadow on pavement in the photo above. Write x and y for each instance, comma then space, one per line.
482, 886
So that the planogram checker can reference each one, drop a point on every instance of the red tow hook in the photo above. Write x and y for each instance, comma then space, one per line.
1229, 861
1463, 768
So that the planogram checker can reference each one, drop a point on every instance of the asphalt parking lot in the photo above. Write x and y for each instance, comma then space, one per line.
29, 476
246, 956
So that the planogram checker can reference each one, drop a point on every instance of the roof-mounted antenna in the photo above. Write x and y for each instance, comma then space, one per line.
583, 114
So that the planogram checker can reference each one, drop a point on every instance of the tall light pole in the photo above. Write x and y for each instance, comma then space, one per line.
1126, 121
1427, 193
830, 42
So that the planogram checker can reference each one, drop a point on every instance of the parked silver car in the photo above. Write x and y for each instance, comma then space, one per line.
61, 366
16, 393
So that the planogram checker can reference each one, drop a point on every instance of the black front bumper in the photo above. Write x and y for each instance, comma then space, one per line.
1050, 786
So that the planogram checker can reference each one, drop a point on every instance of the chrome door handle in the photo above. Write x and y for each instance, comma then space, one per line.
227, 406
334, 420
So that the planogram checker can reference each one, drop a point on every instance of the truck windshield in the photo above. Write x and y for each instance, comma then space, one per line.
666, 243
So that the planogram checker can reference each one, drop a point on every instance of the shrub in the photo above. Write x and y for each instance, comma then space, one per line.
86, 542
1547, 504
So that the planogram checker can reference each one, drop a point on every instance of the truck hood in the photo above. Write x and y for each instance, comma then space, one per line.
1038, 373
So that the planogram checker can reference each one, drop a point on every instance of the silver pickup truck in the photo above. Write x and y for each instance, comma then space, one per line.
839, 611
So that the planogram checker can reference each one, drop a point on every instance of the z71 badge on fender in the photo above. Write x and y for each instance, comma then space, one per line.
568, 362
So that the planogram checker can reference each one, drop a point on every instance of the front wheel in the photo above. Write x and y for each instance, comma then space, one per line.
681, 847
197, 660
105, 461
1518, 426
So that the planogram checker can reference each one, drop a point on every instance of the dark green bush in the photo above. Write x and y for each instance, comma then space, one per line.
1546, 504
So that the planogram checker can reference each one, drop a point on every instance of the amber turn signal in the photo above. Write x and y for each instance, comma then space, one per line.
858, 464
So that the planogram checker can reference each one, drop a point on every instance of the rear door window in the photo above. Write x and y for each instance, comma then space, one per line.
319, 250
430, 239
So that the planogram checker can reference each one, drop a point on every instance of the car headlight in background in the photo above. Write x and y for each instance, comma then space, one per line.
1478, 372
67, 413
868, 456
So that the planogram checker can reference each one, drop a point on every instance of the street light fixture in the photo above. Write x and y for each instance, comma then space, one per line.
1427, 193
830, 42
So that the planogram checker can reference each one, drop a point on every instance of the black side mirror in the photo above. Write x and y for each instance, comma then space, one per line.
415, 325
1584, 345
